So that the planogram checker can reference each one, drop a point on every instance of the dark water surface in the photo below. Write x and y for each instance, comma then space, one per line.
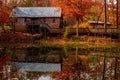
46, 63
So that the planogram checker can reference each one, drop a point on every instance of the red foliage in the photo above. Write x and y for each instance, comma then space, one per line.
73, 8
4, 11
10, 37
4, 15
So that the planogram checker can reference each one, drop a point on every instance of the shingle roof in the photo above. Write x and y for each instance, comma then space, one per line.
36, 12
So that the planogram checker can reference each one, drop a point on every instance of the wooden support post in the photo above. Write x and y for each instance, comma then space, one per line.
117, 16
105, 16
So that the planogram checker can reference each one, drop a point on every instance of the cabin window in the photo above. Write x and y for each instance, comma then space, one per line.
44, 19
34, 19
25, 19
16, 20
53, 20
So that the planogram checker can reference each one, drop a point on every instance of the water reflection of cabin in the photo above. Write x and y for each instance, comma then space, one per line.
40, 55
34, 19
37, 59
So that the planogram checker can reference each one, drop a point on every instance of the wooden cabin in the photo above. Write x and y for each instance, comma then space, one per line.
98, 24
47, 20
33, 19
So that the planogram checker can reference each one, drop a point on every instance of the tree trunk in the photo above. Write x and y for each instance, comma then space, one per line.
105, 16
117, 16
77, 27
104, 67
14, 26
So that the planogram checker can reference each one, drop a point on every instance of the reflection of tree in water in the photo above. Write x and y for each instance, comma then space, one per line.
4, 57
107, 68
117, 68
39, 55
5, 68
75, 66
102, 67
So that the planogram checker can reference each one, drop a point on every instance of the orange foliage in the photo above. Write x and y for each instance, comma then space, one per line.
73, 8
83, 57
4, 12
4, 15
5, 9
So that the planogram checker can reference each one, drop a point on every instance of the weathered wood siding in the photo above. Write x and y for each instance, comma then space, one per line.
52, 22
21, 23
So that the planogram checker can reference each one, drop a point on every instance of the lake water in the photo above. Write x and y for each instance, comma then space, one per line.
48, 63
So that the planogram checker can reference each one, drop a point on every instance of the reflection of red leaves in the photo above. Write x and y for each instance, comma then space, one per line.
3, 59
67, 75
61, 75
6, 57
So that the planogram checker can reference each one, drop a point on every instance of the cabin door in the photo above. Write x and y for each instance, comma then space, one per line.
33, 29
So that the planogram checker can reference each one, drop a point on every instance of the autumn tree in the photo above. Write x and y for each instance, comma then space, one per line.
74, 9
96, 11
69, 7
119, 13
43, 3
113, 13
35, 3
4, 14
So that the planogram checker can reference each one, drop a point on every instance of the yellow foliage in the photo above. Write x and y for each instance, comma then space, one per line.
85, 25
83, 57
